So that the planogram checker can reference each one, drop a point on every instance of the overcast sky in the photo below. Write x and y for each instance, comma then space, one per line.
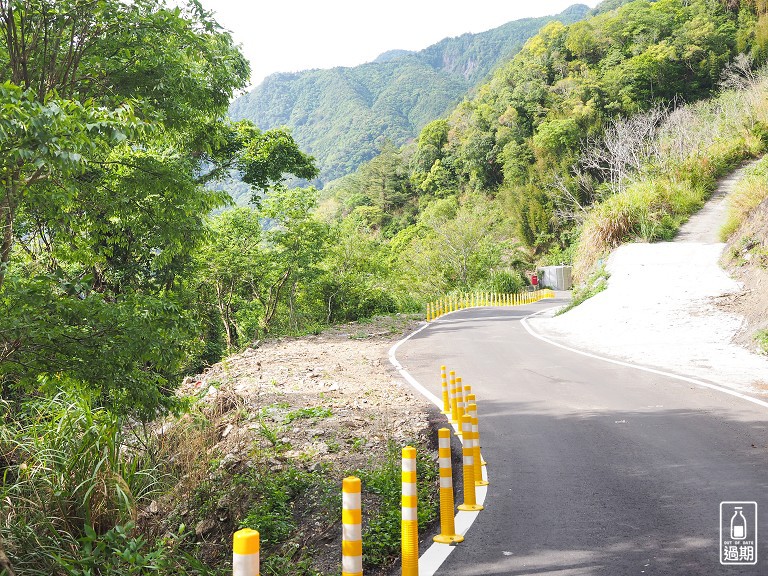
293, 35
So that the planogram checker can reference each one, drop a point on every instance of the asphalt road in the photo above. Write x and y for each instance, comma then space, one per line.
595, 468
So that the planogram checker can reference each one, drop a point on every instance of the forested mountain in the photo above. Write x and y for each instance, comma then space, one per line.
342, 116
523, 139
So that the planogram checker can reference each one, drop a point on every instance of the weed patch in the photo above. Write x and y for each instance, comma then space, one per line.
762, 340
595, 284
381, 532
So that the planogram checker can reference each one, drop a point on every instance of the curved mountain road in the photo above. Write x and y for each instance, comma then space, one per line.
595, 468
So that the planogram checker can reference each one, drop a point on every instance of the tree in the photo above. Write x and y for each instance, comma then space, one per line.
458, 246
112, 124
229, 261
257, 259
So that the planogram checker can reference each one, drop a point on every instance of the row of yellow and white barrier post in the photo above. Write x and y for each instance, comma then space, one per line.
460, 407
454, 302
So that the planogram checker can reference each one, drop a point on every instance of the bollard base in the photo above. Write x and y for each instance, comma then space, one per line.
470, 507
481, 482
482, 462
448, 538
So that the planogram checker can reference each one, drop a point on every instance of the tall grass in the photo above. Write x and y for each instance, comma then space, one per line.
68, 473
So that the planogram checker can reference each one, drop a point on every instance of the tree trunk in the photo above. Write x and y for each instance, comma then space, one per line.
223, 314
6, 243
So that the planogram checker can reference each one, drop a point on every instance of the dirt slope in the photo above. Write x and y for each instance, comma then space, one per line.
746, 258
328, 405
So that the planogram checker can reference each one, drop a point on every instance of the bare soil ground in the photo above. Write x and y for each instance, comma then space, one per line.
329, 403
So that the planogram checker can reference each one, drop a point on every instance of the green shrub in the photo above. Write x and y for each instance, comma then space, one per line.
505, 282
762, 340
119, 553
381, 533
313, 413
72, 473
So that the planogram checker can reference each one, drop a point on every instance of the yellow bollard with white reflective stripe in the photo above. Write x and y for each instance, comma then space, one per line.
476, 429
468, 452
447, 524
351, 525
444, 388
459, 403
409, 545
454, 401
245, 553
472, 411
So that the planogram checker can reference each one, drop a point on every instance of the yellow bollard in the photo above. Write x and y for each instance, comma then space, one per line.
476, 429
429, 315
459, 403
351, 526
467, 394
444, 388
447, 524
409, 525
468, 453
454, 400
245, 553
472, 411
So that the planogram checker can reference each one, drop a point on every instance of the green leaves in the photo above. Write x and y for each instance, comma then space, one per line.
54, 135
268, 156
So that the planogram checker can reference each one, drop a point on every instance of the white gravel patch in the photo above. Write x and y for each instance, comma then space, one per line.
657, 311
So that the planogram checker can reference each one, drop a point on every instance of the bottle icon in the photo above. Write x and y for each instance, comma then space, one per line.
738, 524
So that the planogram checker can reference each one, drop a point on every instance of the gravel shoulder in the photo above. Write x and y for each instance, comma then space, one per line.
666, 307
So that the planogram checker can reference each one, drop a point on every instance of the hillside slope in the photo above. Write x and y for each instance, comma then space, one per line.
342, 115
661, 308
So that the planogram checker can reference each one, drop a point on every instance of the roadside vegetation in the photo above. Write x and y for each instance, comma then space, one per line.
748, 194
92, 495
671, 164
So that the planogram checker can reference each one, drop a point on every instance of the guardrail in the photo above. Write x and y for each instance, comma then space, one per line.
454, 302
246, 542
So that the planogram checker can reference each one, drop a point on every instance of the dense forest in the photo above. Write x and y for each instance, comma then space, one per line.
124, 265
342, 116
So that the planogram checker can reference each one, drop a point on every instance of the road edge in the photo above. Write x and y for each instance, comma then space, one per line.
723, 389
434, 556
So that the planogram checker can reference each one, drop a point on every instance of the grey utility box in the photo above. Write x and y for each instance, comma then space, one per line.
555, 277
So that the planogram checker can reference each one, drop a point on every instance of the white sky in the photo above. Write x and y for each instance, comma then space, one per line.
293, 35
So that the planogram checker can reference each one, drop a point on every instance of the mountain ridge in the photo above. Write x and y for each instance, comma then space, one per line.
343, 115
